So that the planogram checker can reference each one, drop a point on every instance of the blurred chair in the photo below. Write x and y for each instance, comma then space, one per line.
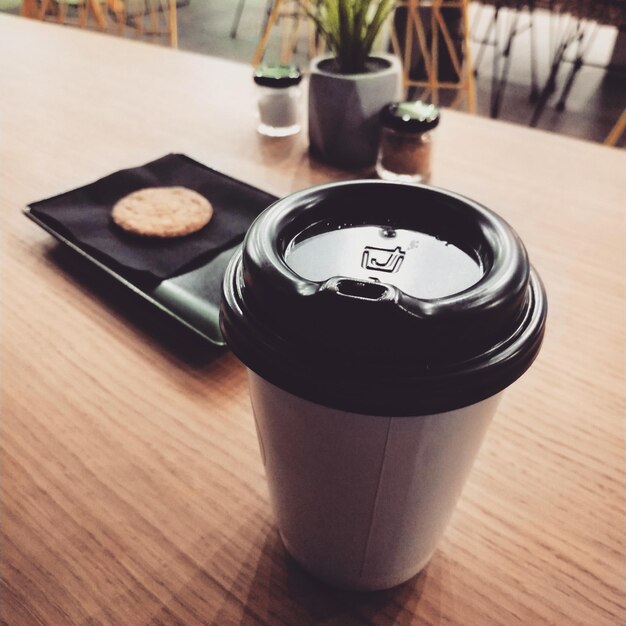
149, 19
77, 12
573, 26
292, 17
423, 38
507, 20
237, 17
617, 131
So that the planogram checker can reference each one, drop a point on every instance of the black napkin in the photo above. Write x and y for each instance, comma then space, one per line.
83, 216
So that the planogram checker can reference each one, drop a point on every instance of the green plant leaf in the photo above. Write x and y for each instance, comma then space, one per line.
384, 9
349, 28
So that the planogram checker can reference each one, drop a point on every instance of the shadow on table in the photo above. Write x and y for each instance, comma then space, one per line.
279, 591
142, 315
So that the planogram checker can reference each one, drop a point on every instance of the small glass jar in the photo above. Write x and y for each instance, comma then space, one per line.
405, 148
278, 99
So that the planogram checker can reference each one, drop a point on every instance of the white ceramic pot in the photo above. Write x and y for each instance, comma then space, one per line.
343, 110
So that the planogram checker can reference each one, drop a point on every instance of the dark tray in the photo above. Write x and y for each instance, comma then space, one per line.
191, 299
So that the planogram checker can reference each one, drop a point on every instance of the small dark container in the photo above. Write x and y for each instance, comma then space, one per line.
406, 141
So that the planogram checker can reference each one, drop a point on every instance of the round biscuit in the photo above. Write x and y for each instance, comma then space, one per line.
162, 212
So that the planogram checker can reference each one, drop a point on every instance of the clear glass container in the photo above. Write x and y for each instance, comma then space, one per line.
406, 141
279, 97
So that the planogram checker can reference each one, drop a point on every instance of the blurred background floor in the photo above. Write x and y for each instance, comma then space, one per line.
595, 102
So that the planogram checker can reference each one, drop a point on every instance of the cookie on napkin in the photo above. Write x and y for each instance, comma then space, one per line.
162, 212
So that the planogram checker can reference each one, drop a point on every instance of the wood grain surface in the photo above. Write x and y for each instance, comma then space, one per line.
132, 490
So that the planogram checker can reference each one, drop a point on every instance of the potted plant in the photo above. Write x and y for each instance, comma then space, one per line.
349, 86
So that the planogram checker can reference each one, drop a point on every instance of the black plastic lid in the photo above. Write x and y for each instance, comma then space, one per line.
277, 76
383, 298
411, 117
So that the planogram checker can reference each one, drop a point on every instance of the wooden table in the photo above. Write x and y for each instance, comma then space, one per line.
132, 487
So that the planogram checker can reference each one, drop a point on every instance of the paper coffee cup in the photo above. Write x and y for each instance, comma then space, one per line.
380, 324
